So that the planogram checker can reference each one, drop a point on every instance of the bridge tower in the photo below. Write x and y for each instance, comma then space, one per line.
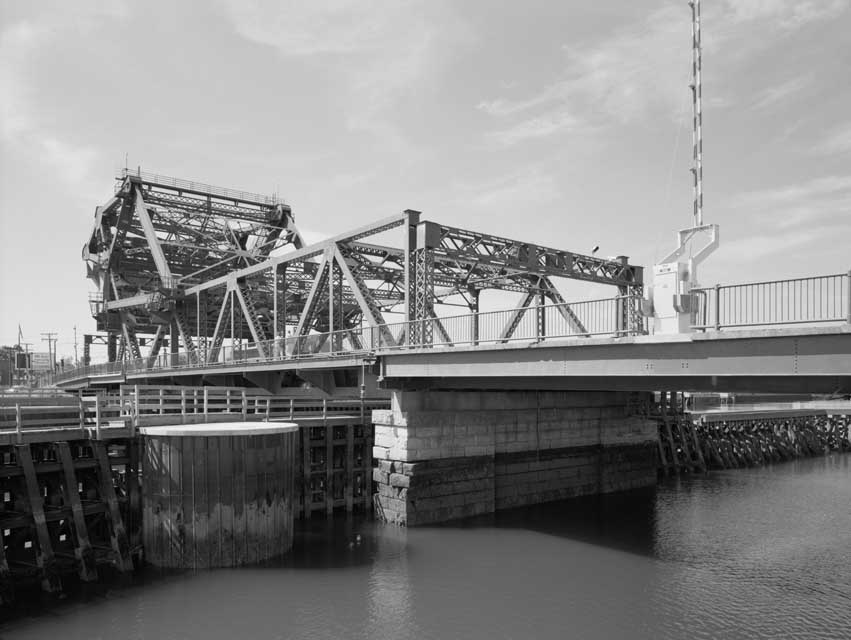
675, 276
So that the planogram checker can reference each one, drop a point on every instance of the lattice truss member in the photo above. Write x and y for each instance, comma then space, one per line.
216, 268
156, 236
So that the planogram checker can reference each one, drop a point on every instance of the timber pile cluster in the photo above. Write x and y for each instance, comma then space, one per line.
743, 443
695, 445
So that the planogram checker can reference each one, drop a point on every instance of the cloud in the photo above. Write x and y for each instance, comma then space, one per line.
636, 71
321, 27
375, 52
784, 14
836, 142
643, 70
539, 127
23, 132
528, 187
821, 201
789, 218
780, 92
756, 247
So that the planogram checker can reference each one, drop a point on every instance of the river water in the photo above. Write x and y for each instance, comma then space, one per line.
753, 553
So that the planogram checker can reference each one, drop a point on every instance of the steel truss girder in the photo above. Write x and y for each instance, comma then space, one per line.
219, 332
185, 332
318, 294
516, 316
363, 295
473, 248
199, 238
129, 335
156, 344
250, 314
564, 309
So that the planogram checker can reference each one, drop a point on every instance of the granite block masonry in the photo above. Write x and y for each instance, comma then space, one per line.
442, 455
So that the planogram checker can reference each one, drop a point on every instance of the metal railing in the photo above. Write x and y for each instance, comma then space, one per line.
189, 185
588, 318
817, 299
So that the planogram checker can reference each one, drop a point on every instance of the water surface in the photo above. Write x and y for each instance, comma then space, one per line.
755, 553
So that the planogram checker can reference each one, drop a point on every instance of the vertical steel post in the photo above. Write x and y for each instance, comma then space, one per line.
412, 220
275, 309
97, 416
848, 296
717, 307
198, 324
474, 308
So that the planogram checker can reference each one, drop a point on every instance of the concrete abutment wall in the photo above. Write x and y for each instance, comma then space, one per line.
442, 455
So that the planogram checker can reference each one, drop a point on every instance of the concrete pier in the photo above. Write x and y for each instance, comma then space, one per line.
218, 495
443, 455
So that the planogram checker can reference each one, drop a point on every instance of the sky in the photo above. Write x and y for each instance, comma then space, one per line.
565, 123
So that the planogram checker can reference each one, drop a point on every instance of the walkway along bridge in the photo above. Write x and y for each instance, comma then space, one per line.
762, 337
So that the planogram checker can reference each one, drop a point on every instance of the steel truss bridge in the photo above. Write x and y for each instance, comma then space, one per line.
226, 280
213, 268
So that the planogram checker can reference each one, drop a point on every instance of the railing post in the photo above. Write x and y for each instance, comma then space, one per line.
162, 402
183, 405
848, 297
82, 414
18, 421
717, 307
244, 406
136, 399
292, 408
97, 416
206, 403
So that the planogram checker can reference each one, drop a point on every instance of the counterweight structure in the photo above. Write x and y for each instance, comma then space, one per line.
214, 268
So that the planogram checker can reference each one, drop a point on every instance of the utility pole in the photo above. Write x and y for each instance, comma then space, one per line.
50, 337
27, 360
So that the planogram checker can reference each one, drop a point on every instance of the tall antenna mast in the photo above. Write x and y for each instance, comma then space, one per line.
673, 302
697, 95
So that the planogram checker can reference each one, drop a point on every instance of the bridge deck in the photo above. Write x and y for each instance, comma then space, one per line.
813, 359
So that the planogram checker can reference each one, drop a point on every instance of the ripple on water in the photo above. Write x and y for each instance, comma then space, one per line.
751, 553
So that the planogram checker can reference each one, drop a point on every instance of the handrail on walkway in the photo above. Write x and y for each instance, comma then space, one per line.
618, 316
817, 299
189, 185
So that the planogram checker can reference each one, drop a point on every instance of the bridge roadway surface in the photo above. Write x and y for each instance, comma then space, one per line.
801, 359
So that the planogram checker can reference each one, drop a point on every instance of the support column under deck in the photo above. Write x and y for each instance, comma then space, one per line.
442, 455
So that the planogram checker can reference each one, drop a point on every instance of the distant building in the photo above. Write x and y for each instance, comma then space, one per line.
7, 366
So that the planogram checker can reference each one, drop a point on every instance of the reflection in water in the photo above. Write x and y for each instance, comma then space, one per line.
756, 553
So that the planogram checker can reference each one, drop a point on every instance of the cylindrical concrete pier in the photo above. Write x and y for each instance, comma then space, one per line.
218, 495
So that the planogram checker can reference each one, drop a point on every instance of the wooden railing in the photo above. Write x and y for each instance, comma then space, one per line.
133, 405
83, 413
